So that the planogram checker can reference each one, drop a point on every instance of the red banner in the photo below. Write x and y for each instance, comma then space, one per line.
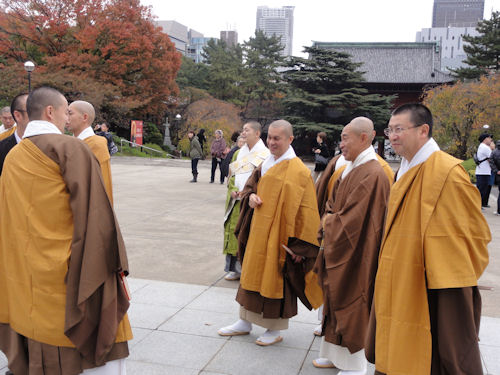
136, 132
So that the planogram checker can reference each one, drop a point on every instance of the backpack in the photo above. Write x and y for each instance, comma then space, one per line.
476, 160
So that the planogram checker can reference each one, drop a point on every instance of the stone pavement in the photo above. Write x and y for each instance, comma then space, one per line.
173, 233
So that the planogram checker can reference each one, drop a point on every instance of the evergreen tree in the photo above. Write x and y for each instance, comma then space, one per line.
192, 74
225, 71
262, 79
325, 93
483, 51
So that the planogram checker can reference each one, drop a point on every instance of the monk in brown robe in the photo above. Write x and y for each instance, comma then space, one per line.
81, 117
426, 306
62, 257
278, 210
346, 265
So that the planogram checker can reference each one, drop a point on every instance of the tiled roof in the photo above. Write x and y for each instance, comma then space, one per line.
395, 62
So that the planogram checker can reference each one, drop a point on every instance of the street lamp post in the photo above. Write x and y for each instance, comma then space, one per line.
29, 66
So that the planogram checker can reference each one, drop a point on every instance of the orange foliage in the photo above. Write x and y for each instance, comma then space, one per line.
112, 42
460, 110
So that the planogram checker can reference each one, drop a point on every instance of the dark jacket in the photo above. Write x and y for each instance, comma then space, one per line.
324, 153
495, 164
5, 146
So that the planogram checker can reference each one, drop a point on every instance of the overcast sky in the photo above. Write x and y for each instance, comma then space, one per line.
318, 20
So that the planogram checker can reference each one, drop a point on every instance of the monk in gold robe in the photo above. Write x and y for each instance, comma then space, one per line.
62, 257
8, 126
278, 211
81, 117
352, 229
427, 307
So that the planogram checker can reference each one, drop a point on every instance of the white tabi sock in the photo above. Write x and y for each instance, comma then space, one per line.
351, 372
242, 326
269, 336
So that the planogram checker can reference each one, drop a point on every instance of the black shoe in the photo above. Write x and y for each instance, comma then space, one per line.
9, 373
211, 181
487, 206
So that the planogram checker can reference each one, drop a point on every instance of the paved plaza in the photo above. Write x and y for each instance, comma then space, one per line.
173, 232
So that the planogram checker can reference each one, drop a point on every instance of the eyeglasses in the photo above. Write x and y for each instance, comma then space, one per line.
397, 130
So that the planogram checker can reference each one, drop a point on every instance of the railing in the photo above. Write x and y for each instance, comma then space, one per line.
145, 148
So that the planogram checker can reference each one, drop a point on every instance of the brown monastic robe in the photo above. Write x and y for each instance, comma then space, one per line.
295, 275
95, 320
353, 227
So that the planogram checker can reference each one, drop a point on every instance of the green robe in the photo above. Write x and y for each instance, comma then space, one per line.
231, 216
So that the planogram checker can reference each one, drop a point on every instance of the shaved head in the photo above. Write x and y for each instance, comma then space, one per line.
41, 98
284, 125
81, 116
363, 125
84, 108
356, 137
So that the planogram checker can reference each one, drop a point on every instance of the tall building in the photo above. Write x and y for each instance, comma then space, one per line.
279, 22
195, 48
457, 13
450, 41
230, 37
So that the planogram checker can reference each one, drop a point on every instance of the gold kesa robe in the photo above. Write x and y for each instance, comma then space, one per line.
99, 147
288, 212
434, 250
61, 295
7, 133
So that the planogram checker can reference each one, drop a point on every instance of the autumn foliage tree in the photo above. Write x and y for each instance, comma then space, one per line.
112, 44
460, 111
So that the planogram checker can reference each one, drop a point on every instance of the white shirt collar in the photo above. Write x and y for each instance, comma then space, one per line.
39, 127
87, 132
362, 158
421, 156
18, 138
340, 162
271, 162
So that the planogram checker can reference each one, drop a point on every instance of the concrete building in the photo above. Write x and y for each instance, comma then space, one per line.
457, 13
279, 22
177, 32
451, 42
230, 37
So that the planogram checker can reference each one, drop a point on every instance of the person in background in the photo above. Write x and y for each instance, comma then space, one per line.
229, 156
195, 154
202, 140
483, 170
8, 124
495, 171
103, 131
321, 155
217, 150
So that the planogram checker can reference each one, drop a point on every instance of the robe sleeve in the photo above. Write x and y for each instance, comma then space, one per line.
455, 315
242, 230
456, 238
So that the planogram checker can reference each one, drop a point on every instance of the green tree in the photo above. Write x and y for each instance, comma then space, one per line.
192, 74
483, 51
262, 79
325, 93
225, 71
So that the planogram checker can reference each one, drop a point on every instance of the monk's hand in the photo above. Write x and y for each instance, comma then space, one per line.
254, 200
297, 258
234, 194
